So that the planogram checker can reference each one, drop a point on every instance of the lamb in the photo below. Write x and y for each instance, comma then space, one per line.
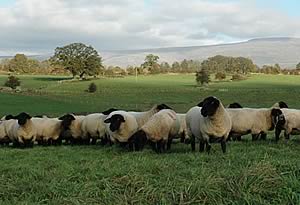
289, 121
252, 120
21, 131
159, 129
120, 125
209, 123
143, 117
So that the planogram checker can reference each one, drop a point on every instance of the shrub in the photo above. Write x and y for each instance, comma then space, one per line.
220, 76
12, 82
238, 77
202, 77
92, 88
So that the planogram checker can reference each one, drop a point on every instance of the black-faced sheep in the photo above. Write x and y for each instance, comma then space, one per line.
289, 121
120, 125
209, 124
22, 131
255, 121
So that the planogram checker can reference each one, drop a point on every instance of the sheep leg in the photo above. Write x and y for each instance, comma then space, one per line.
254, 137
277, 134
169, 143
287, 136
201, 146
94, 141
208, 147
263, 136
163, 146
223, 145
193, 143
239, 138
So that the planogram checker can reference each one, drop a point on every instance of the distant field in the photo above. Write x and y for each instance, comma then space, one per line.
250, 173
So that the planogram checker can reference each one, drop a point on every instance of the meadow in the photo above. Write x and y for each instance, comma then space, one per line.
262, 172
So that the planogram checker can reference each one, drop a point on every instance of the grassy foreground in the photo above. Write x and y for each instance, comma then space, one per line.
250, 173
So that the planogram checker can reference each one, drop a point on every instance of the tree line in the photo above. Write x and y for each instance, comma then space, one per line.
81, 60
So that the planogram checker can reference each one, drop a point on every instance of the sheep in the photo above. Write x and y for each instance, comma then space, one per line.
209, 123
182, 133
143, 117
256, 121
280, 104
22, 131
120, 125
236, 136
82, 128
48, 130
4, 125
192, 119
289, 121
93, 126
159, 129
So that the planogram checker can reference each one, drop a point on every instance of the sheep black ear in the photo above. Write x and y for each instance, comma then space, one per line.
235, 105
200, 104
107, 120
163, 106
110, 110
9, 117
282, 104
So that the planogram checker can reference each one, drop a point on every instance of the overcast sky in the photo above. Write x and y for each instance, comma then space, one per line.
39, 26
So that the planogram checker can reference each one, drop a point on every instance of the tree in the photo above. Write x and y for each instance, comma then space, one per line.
19, 63
298, 66
151, 63
202, 77
79, 59
220, 76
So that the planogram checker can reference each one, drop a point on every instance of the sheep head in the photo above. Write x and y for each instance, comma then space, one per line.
210, 106
22, 118
278, 118
115, 122
66, 120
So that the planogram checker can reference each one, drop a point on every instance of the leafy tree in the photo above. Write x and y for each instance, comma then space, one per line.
220, 76
176, 67
19, 63
165, 67
79, 59
202, 77
12, 82
298, 66
151, 64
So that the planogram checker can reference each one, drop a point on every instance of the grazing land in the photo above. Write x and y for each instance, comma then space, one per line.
262, 172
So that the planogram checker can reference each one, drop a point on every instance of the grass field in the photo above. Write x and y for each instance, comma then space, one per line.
250, 173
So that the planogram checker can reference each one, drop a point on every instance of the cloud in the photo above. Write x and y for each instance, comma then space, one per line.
34, 26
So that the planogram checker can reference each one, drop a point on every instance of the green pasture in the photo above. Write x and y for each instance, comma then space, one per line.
262, 172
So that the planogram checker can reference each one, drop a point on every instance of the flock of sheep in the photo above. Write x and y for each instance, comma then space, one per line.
205, 123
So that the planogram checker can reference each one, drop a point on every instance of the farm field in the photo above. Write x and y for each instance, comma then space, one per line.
262, 172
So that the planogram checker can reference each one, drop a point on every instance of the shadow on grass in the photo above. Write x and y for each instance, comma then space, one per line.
53, 78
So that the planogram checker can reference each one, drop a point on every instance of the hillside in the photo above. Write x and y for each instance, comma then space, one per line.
285, 51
